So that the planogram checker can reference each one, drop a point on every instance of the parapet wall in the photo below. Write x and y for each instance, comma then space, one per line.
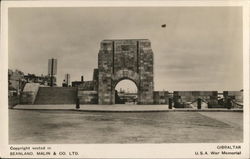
87, 97
161, 97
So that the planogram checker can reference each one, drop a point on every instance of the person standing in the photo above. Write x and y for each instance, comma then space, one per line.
77, 103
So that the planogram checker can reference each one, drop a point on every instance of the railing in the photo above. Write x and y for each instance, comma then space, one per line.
237, 104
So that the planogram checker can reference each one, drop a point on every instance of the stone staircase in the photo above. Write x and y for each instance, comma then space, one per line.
56, 95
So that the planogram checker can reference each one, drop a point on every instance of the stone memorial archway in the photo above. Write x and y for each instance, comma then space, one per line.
125, 59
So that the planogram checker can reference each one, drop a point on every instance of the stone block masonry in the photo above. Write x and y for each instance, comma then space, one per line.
87, 97
125, 59
161, 97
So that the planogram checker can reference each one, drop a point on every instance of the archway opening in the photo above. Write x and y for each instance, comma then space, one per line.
126, 92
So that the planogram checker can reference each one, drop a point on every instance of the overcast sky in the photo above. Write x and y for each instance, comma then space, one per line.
200, 48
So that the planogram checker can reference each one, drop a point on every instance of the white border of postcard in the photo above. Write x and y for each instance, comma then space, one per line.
178, 150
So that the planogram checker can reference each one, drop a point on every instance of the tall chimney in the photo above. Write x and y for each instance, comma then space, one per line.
82, 79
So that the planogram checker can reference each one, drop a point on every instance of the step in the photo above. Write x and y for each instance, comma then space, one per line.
56, 95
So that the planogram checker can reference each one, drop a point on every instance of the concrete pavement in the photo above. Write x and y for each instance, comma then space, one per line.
119, 108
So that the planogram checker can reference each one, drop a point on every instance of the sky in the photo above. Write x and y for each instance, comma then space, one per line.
199, 49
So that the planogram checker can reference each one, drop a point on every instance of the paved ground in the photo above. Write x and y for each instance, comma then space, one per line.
116, 107
77, 127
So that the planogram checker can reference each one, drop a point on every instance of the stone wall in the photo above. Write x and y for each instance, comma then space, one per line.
161, 97
105, 68
87, 90
183, 97
87, 86
95, 79
125, 59
13, 100
87, 97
